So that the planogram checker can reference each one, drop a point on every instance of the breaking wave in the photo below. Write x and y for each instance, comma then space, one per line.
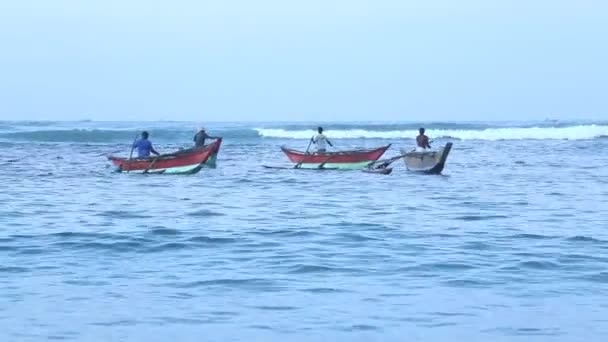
171, 133
579, 132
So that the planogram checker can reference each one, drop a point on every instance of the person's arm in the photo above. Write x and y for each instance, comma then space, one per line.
194, 139
135, 143
154, 151
330, 144
207, 136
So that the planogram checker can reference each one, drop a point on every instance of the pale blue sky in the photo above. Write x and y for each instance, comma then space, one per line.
303, 60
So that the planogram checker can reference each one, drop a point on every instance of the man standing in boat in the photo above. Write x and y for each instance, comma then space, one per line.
422, 141
321, 140
199, 138
144, 146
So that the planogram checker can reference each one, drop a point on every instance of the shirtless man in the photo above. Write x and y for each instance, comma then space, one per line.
422, 142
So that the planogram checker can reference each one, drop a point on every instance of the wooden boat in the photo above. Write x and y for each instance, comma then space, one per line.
431, 162
188, 161
347, 160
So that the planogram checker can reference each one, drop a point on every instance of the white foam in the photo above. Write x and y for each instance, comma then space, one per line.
581, 132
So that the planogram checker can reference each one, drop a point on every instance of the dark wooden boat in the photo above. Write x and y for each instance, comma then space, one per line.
427, 162
348, 160
181, 162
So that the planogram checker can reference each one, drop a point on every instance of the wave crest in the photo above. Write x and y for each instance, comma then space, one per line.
579, 132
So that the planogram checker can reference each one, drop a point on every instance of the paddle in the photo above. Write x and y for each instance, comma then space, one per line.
325, 161
297, 166
131, 154
151, 164
386, 162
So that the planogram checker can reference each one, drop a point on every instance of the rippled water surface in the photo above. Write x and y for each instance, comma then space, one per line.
509, 245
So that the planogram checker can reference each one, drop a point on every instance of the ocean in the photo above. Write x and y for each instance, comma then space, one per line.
509, 244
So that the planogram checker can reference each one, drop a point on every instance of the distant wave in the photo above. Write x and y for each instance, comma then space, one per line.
579, 132
116, 136
299, 131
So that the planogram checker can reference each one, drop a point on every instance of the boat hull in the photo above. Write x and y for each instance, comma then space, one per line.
188, 161
427, 162
346, 160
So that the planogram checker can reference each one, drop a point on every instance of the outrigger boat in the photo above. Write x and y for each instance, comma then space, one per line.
188, 161
427, 162
344, 160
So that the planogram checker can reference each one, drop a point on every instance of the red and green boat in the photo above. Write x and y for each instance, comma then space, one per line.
188, 161
346, 160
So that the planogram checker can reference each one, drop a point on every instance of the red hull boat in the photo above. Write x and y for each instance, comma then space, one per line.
182, 162
355, 159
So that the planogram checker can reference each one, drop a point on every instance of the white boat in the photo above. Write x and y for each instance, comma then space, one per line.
431, 162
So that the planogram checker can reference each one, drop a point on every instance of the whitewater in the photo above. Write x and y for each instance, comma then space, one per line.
100, 132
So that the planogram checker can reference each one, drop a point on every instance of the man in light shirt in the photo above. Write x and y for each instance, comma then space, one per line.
321, 141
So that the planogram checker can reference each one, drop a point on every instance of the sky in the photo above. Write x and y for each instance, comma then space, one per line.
278, 60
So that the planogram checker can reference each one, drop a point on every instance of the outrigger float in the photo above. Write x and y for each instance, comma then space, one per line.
188, 161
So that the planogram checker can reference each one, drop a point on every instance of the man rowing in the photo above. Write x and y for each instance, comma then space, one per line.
199, 138
321, 140
422, 141
144, 146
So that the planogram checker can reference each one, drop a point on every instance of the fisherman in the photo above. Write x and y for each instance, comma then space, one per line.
199, 138
321, 140
144, 146
422, 141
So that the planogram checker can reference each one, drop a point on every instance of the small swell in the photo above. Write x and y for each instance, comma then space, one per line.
80, 235
205, 213
601, 277
357, 237
165, 232
285, 232
323, 290
466, 283
362, 327
448, 266
171, 246
275, 308
13, 269
539, 265
531, 236
121, 214
122, 246
480, 217
212, 240
300, 269
250, 282
580, 238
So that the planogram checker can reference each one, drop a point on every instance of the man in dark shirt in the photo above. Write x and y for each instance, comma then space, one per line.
199, 138
144, 146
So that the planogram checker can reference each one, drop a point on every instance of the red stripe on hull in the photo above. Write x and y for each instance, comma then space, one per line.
335, 157
188, 157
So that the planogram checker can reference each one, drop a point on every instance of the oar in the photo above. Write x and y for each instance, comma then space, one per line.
297, 166
325, 161
386, 162
130, 154
328, 158
151, 164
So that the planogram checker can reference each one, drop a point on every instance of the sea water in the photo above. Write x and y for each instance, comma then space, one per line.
510, 244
